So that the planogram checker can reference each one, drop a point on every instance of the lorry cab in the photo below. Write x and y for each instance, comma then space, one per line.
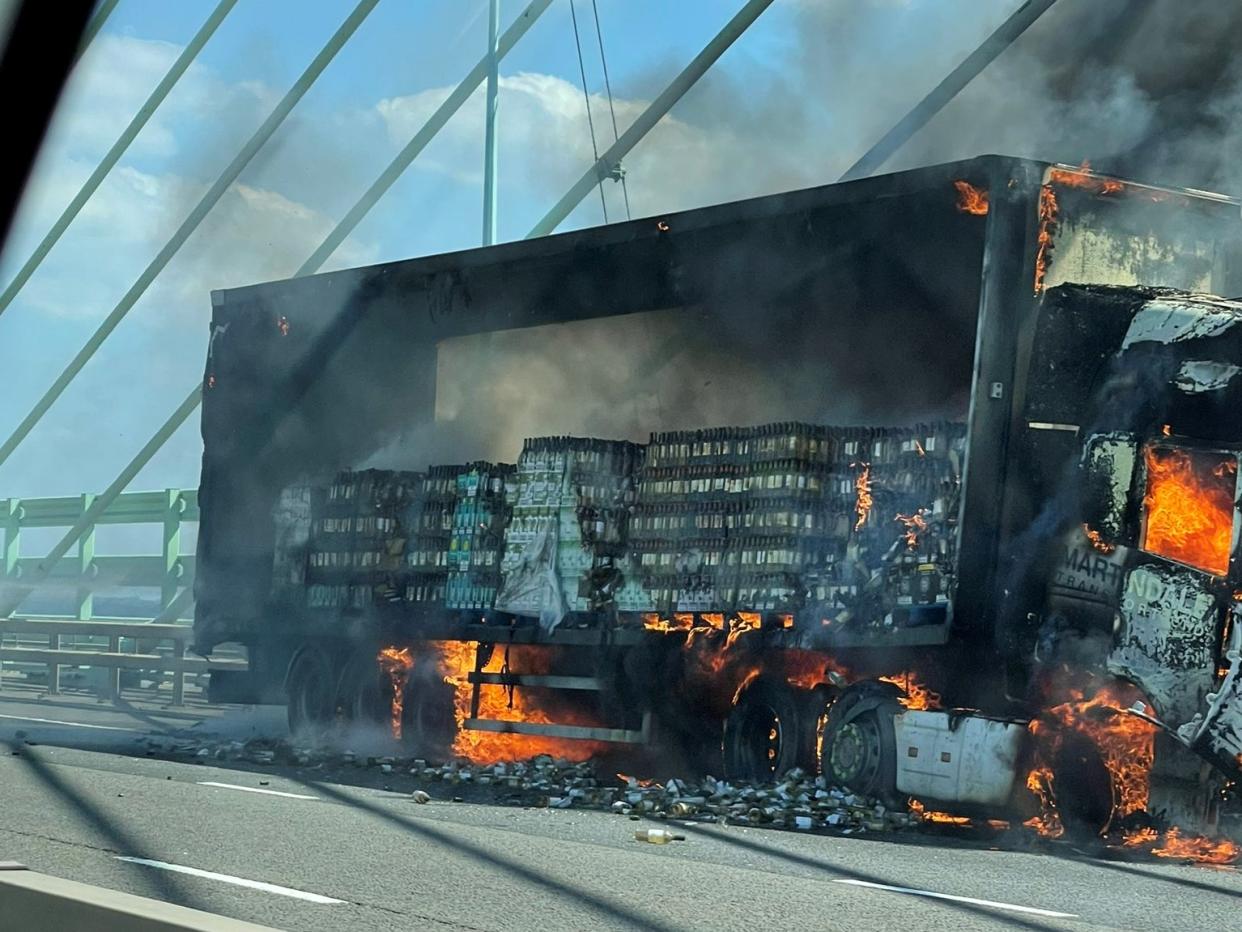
1161, 521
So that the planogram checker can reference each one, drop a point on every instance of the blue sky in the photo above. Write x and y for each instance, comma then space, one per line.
796, 99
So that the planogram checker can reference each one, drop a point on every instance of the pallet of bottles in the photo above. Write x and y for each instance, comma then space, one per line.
480, 515
735, 446
459, 514
358, 529
743, 516
912, 481
570, 504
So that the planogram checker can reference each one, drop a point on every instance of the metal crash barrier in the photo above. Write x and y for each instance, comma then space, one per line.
112, 658
77, 637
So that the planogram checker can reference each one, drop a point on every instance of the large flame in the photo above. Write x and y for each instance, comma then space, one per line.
971, 200
396, 663
456, 661
1189, 507
1126, 743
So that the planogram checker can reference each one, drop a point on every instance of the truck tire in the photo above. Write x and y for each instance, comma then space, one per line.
309, 688
428, 721
766, 734
859, 747
363, 692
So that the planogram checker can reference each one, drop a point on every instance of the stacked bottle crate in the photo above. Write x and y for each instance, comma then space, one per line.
357, 538
430, 521
909, 538
732, 518
476, 542
457, 519
566, 541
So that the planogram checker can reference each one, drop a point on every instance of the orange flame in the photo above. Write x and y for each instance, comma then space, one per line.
862, 507
1039, 782
915, 524
1083, 178
397, 663
653, 621
626, 779
1127, 746
971, 200
917, 696
1048, 210
1096, 541
1197, 848
1189, 507
942, 818
456, 661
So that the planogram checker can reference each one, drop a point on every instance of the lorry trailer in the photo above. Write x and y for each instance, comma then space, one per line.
917, 480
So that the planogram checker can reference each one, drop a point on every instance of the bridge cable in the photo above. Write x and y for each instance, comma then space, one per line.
93, 25
193, 399
620, 172
586, 99
190, 224
178, 68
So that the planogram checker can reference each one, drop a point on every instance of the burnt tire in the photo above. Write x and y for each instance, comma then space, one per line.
859, 747
310, 691
363, 693
767, 733
428, 721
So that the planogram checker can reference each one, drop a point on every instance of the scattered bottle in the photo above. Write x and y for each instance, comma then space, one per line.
657, 836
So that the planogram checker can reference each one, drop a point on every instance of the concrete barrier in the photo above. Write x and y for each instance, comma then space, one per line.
36, 902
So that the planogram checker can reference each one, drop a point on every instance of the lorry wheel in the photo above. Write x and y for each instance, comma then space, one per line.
309, 688
363, 692
428, 721
765, 735
859, 749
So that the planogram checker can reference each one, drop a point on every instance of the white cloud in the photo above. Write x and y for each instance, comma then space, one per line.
546, 145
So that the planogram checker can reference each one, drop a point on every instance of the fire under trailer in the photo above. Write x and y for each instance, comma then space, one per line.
901, 475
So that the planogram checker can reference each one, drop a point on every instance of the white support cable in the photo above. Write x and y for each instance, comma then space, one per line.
612, 110
586, 100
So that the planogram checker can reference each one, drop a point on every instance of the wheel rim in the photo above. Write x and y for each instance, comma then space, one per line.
855, 752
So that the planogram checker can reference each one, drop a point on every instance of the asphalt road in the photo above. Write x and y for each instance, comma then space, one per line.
81, 800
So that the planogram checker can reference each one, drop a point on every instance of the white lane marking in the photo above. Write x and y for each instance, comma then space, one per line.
52, 721
228, 878
254, 789
957, 899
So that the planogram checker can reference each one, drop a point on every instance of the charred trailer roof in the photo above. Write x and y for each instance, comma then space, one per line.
912, 297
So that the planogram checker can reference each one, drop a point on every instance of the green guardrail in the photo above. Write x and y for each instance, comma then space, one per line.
170, 571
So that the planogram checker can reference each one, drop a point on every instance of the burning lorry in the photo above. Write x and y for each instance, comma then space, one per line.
927, 481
